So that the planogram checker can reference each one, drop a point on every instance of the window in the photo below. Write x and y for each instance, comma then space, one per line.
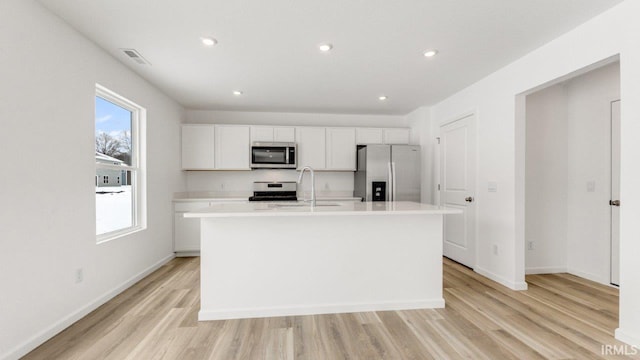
119, 153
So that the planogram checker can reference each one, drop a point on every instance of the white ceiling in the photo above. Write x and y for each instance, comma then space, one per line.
268, 48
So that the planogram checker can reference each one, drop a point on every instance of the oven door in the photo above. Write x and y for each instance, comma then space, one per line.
270, 157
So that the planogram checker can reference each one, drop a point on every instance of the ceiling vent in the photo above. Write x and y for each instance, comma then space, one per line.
135, 56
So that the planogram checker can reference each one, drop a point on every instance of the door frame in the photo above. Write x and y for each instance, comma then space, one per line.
611, 101
473, 114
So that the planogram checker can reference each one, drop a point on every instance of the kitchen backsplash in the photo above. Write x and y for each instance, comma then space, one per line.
240, 183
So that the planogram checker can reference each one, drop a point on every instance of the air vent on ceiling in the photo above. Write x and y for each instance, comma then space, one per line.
135, 56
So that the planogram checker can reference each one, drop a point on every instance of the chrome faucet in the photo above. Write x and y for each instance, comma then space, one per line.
313, 183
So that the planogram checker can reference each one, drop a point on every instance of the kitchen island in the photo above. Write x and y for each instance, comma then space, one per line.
277, 259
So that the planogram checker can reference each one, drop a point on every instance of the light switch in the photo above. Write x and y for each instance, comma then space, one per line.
492, 186
591, 186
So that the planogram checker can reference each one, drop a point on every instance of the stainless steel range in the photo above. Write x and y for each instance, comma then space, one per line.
274, 191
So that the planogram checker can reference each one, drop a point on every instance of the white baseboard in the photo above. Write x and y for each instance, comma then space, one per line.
545, 270
628, 338
205, 315
46, 334
499, 279
589, 276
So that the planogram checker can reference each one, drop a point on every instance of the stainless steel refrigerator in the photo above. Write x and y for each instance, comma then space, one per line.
388, 173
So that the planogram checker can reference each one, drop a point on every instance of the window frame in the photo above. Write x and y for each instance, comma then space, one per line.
137, 167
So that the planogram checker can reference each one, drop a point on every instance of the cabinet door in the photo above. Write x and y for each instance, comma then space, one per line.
186, 236
341, 149
197, 147
262, 133
232, 147
311, 147
284, 134
396, 136
365, 136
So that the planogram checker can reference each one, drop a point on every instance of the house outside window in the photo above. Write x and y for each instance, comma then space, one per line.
119, 154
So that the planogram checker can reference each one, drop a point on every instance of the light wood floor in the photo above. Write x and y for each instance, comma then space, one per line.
560, 317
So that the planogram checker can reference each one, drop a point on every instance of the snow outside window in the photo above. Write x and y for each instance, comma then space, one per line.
119, 124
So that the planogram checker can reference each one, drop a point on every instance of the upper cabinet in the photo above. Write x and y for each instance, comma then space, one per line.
197, 147
273, 133
366, 136
232, 147
311, 147
341, 149
284, 134
396, 136
228, 147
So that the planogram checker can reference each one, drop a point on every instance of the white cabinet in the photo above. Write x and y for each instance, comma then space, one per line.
198, 147
365, 136
311, 147
273, 134
284, 134
232, 147
186, 231
341, 149
262, 133
396, 136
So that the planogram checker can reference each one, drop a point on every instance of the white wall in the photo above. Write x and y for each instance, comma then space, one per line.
239, 183
48, 74
501, 145
546, 180
589, 146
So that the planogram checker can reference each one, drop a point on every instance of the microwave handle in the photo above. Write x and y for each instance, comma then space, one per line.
286, 156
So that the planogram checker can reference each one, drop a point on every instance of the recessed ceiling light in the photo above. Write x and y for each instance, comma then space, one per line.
382, 98
237, 92
431, 53
325, 47
208, 41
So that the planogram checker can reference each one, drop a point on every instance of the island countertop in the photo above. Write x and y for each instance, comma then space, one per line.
322, 208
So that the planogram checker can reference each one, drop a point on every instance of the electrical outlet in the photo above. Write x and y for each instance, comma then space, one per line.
326, 186
221, 186
530, 245
495, 249
79, 275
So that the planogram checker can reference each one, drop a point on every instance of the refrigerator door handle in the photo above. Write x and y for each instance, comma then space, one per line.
391, 184
393, 181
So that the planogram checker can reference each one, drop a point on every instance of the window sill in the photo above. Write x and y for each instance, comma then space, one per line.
103, 238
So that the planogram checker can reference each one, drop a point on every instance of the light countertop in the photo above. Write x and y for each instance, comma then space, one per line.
323, 208
244, 196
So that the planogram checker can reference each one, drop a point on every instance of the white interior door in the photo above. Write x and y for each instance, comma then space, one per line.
457, 189
615, 192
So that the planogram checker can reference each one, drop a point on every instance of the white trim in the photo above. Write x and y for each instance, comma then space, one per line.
521, 285
545, 270
189, 253
589, 276
245, 313
46, 334
628, 338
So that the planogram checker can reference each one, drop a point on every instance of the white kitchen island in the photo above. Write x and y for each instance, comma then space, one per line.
267, 259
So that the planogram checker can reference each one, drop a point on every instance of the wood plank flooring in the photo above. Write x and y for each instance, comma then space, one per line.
560, 317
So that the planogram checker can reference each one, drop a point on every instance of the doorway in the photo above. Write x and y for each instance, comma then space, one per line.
572, 176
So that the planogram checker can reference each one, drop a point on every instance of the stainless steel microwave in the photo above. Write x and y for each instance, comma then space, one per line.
273, 155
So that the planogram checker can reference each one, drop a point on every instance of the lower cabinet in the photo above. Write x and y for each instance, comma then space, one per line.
186, 231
